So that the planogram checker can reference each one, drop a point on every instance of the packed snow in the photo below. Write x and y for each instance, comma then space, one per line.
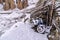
22, 31
12, 26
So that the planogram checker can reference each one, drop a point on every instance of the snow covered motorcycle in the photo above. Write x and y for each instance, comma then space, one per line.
40, 27
38, 24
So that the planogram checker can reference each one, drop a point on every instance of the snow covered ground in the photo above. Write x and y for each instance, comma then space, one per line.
12, 26
22, 31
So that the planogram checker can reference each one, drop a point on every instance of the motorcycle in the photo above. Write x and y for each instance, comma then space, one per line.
40, 26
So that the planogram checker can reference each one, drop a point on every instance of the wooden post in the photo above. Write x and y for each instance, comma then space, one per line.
6, 6
12, 4
1, 1
51, 11
19, 4
25, 3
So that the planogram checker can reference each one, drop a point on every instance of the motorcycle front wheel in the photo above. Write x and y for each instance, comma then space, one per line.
41, 29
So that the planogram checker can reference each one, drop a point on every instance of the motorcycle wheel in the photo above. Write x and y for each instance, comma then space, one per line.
41, 29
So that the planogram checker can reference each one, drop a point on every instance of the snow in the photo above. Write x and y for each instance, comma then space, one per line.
12, 27
31, 2
19, 30
22, 32
2, 12
1, 7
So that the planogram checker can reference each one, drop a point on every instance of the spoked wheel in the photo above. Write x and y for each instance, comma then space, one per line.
41, 29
